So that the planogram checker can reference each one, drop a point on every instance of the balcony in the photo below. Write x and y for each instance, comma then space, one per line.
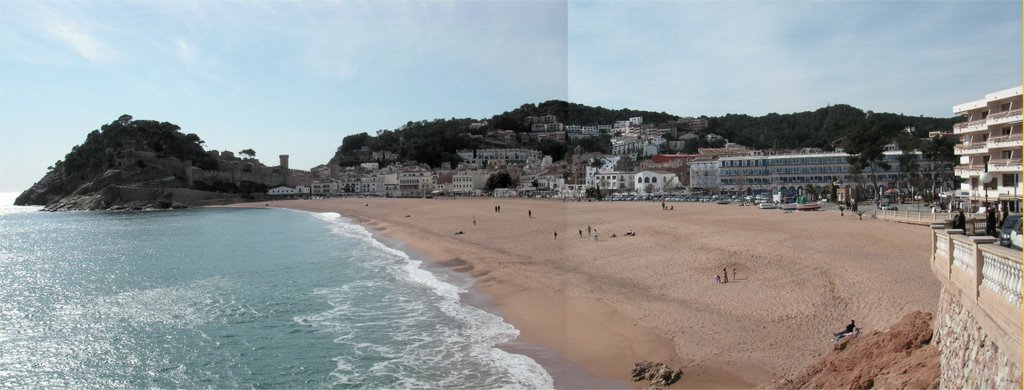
969, 170
1004, 117
1005, 141
1005, 165
967, 127
972, 148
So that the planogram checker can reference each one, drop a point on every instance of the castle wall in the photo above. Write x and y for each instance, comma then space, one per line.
969, 356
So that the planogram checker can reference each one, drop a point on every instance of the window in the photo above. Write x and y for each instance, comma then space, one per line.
654, 180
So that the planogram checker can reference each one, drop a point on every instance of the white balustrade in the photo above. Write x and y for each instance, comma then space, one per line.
963, 255
1002, 275
942, 247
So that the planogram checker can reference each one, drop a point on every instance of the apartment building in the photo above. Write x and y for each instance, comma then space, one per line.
990, 147
705, 174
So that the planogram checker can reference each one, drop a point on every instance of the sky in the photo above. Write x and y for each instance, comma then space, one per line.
295, 77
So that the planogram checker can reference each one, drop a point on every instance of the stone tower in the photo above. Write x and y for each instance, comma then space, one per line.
284, 170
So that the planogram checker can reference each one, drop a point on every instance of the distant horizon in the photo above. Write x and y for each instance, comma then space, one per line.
297, 77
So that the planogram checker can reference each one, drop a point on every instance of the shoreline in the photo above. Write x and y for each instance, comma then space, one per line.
564, 373
604, 311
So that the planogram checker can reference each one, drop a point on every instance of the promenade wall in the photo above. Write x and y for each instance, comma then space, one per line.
978, 323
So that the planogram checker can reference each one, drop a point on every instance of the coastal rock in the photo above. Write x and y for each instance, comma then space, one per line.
901, 357
658, 374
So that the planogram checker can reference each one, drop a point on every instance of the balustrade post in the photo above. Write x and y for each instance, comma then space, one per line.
949, 250
979, 262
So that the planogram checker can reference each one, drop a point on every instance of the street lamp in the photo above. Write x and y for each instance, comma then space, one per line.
985, 179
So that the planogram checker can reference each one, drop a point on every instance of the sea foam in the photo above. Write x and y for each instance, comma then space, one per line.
471, 340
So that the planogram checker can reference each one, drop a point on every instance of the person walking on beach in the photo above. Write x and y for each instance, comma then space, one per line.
530, 213
725, 276
718, 279
474, 220
595, 234
733, 274
556, 234
581, 233
588, 230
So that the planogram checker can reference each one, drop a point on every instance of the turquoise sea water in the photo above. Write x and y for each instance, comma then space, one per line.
234, 298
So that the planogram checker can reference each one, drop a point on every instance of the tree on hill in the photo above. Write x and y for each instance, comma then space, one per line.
247, 152
499, 180
866, 145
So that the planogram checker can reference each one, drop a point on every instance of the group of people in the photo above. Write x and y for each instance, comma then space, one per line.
993, 219
591, 232
724, 277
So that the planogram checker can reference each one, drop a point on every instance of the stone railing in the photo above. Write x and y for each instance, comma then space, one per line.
913, 217
1001, 274
986, 279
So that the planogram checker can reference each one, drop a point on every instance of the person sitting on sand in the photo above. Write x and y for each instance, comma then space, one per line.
459, 232
849, 329
718, 279
613, 235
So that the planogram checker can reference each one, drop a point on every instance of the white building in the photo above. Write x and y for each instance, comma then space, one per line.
990, 148
655, 181
324, 188
468, 182
615, 181
282, 191
705, 174
415, 183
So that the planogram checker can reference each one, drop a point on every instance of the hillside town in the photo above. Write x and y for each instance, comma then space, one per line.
645, 159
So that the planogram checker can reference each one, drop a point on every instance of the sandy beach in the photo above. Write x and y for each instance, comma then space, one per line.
607, 303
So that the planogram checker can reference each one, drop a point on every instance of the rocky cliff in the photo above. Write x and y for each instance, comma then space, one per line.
901, 357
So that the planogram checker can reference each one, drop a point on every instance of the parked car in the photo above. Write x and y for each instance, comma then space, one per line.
1009, 235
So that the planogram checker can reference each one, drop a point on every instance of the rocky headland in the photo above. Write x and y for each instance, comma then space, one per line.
143, 164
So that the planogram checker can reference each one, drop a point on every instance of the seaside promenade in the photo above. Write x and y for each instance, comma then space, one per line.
610, 302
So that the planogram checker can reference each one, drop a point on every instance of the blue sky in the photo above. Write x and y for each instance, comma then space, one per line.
289, 77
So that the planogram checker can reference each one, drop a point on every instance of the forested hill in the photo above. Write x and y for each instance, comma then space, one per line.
93, 165
822, 128
434, 142
573, 114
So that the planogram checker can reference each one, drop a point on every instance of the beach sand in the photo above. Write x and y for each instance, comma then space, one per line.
608, 303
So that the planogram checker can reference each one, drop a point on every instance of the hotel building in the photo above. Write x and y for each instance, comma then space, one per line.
990, 147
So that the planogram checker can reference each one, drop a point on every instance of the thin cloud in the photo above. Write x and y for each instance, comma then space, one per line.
67, 31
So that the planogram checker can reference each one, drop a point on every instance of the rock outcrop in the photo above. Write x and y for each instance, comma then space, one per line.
902, 357
659, 374
135, 165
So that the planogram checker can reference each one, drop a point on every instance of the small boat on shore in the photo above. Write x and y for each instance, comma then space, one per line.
809, 206
767, 206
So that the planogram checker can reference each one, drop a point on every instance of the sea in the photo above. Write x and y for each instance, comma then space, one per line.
230, 298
